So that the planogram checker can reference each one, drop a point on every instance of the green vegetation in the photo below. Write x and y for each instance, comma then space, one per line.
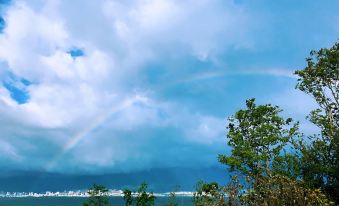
128, 197
257, 136
98, 196
142, 198
259, 139
320, 158
209, 194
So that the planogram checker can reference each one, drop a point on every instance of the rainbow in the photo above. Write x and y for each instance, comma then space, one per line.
100, 119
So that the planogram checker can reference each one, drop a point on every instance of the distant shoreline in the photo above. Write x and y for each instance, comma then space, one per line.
110, 193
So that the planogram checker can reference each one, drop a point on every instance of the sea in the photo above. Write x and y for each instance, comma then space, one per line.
78, 201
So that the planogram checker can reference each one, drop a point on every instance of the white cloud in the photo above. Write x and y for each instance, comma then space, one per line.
118, 38
27, 37
200, 27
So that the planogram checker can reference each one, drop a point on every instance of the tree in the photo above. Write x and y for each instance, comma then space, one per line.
320, 79
213, 194
97, 196
282, 190
264, 149
234, 191
209, 194
257, 136
143, 198
128, 197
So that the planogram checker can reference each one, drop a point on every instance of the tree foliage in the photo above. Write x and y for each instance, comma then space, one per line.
142, 198
320, 79
97, 196
280, 190
265, 151
128, 197
209, 194
257, 136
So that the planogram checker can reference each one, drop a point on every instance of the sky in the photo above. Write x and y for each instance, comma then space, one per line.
124, 85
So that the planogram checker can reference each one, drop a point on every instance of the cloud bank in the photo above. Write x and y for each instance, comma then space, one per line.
67, 94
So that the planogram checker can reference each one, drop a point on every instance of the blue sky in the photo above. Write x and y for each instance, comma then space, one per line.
108, 86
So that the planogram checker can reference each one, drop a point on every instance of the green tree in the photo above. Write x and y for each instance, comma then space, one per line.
98, 196
128, 197
144, 198
209, 194
213, 194
264, 150
320, 79
257, 136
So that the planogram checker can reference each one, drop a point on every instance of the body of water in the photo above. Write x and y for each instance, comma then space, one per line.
77, 201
